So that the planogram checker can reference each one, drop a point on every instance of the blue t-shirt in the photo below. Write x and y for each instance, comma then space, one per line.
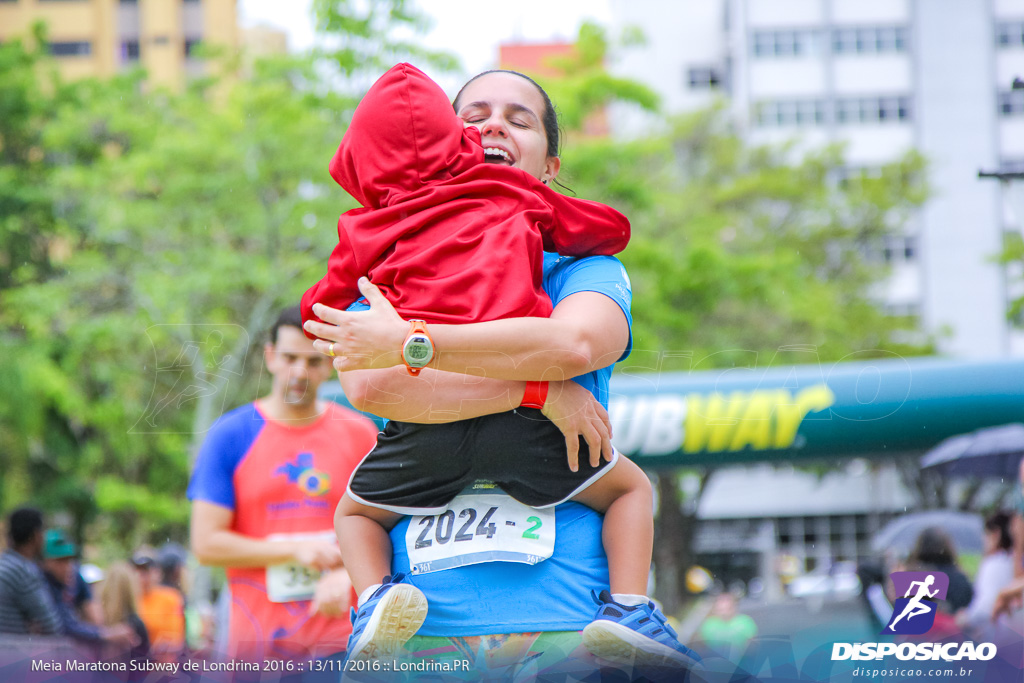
568, 275
553, 595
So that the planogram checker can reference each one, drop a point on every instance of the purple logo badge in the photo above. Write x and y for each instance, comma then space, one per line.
917, 595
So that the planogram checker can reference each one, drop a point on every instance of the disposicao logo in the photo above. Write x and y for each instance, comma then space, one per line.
310, 481
914, 614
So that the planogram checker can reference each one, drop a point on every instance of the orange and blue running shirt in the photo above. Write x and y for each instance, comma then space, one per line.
282, 482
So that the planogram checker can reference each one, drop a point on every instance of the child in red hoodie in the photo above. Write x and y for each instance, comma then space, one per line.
449, 239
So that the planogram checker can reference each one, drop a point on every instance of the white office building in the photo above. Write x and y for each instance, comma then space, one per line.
883, 77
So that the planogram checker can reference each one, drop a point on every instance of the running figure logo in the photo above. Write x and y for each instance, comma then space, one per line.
914, 613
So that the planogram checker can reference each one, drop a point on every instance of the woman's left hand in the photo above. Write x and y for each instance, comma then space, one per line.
363, 340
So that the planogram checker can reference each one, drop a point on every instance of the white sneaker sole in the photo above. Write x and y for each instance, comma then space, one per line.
620, 644
395, 620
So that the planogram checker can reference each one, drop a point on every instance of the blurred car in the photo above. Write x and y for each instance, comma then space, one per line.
837, 582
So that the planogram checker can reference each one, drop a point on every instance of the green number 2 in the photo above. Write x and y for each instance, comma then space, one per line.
529, 533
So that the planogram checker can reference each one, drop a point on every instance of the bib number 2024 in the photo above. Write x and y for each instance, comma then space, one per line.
446, 524
480, 528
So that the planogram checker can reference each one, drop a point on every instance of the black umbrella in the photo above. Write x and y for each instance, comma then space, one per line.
966, 530
992, 452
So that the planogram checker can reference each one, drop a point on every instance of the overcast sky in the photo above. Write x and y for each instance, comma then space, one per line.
471, 33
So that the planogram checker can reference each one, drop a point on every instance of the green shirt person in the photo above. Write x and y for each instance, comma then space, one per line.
725, 630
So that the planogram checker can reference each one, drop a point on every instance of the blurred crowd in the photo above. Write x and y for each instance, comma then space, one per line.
134, 608
984, 600
985, 609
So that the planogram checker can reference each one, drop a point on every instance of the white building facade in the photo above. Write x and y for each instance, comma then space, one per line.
883, 77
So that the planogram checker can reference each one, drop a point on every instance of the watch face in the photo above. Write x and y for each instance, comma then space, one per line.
418, 351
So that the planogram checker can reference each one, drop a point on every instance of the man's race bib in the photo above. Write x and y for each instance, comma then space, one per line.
480, 527
290, 581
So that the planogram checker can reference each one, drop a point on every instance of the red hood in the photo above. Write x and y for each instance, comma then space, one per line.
386, 155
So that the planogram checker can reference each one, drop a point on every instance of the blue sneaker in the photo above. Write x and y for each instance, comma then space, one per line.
637, 635
387, 620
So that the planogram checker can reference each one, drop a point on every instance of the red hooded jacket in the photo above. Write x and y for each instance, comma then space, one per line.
446, 237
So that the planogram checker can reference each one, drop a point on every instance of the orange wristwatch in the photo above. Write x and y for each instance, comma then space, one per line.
418, 349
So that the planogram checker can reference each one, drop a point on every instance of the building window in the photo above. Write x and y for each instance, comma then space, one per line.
795, 43
901, 39
893, 109
129, 51
903, 309
1010, 165
783, 113
845, 175
190, 46
1009, 34
79, 48
891, 250
845, 111
869, 40
899, 249
703, 78
1011, 103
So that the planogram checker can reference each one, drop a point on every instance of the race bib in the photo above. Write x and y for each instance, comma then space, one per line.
480, 527
290, 581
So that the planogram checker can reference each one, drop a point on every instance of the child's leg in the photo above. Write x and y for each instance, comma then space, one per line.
363, 538
628, 627
624, 495
388, 613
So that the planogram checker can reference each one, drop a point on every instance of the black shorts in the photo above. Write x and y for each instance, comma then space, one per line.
419, 469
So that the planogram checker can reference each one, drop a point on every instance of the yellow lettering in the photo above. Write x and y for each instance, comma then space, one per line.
724, 423
790, 415
755, 428
695, 432
710, 421
758, 419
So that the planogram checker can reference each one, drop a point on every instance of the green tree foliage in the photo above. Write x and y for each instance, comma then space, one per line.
186, 225
367, 38
32, 233
1013, 258
149, 239
739, 252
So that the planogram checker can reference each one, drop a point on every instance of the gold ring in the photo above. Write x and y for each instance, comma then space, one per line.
330, 350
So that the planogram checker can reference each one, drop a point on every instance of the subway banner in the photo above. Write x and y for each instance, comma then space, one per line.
875, 407
866, 408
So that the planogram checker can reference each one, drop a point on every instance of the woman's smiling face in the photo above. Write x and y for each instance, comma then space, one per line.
508, 111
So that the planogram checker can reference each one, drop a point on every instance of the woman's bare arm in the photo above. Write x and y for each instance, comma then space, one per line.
587, 331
